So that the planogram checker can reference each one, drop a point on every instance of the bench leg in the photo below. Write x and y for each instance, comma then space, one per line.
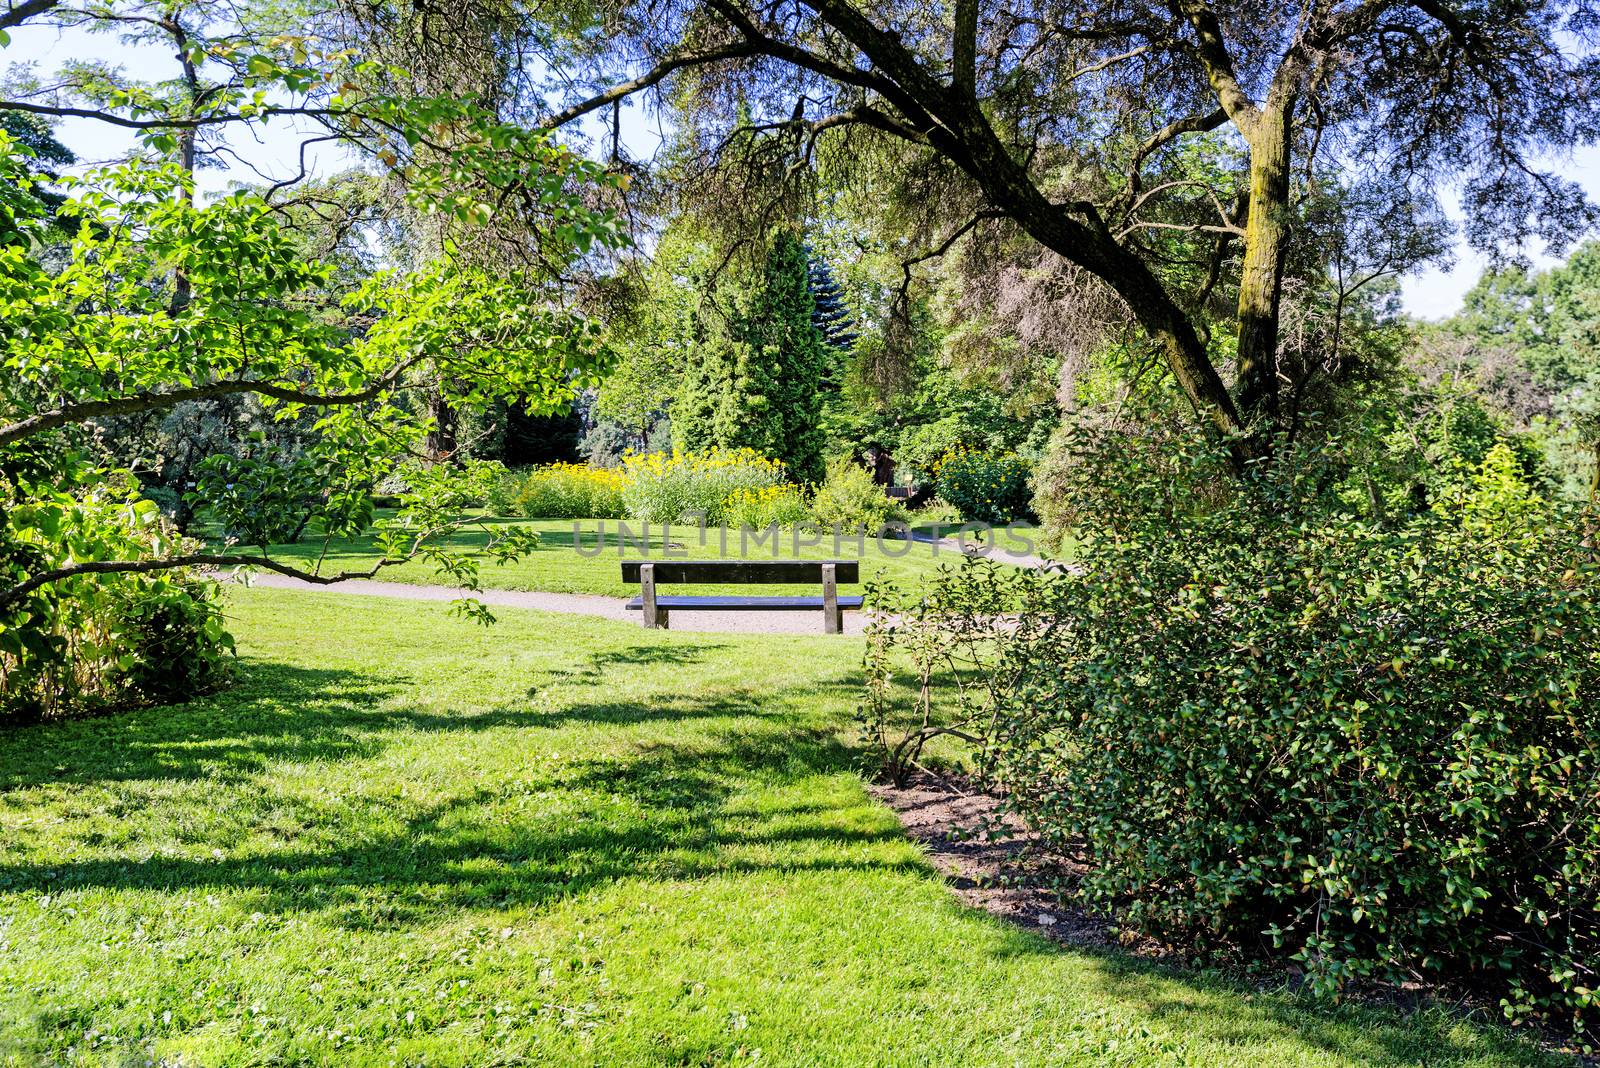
832, 622
653, 616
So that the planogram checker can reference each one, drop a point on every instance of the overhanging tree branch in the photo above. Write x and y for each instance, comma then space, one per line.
17, 14
654, 76
153, 400
53, 111
15, 593
866, 115
1162, 137
886, 84
963, 133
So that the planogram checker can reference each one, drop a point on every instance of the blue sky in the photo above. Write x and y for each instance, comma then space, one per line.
1429, 293
1433, 293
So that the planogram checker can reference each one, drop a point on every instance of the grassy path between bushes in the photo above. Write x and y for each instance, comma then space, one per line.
406, 839
575, 557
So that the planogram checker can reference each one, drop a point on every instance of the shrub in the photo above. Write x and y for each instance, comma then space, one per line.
948, 656
849, 500
96, 642
693, 486
164, 498
569, 491
175, 646
936, 512
983, 487
758, 509
1272, 727
466, 483
480, 479
500, 494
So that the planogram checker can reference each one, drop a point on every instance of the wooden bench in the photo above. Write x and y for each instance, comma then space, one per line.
652, 573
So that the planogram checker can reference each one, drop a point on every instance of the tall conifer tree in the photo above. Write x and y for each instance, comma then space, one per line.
759, 385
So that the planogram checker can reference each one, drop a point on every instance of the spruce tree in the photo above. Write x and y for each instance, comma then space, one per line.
832, 316
788, 349
705, 384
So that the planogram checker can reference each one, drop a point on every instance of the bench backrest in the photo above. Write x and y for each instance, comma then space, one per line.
748, 572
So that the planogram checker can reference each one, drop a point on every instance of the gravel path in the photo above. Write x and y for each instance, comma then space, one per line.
578, 604
589, 604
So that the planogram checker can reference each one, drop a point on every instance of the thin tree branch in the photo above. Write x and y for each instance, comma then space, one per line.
654, 76
1108, 62
168, 563
152, 400
1159, 139
165, 124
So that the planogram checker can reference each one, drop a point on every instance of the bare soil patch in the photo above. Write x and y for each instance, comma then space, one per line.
993, 862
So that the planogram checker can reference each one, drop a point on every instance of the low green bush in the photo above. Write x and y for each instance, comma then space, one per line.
97, 642
984, 487
936, 513
500, 492
850, 501
1274, 728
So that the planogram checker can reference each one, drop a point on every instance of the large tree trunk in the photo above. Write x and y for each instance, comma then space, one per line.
1009, 188
1265, 249
441, 443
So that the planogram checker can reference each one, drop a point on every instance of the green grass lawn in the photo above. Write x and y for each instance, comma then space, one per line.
558, 566
405, 839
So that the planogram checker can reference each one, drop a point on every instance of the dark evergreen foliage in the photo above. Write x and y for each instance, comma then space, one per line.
37, 134
831, 316
757, 382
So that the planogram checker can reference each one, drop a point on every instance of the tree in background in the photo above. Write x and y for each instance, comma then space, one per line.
1070, 123
782, 338
756, 380
933, 403
831, 316
44, 154
1529, 341
102, 337
202, 328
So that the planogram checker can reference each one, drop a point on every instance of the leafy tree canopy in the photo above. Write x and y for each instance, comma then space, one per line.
1076, 126
302, 296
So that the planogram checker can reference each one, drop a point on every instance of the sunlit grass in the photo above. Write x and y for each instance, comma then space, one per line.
406, 839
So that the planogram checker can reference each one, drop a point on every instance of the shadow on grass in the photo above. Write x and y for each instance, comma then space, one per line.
662, 811
280, 713
653, 814
644, 656
1229, 1013
274, 714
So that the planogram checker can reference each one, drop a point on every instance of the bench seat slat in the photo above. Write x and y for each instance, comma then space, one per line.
742, 571
730, 604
